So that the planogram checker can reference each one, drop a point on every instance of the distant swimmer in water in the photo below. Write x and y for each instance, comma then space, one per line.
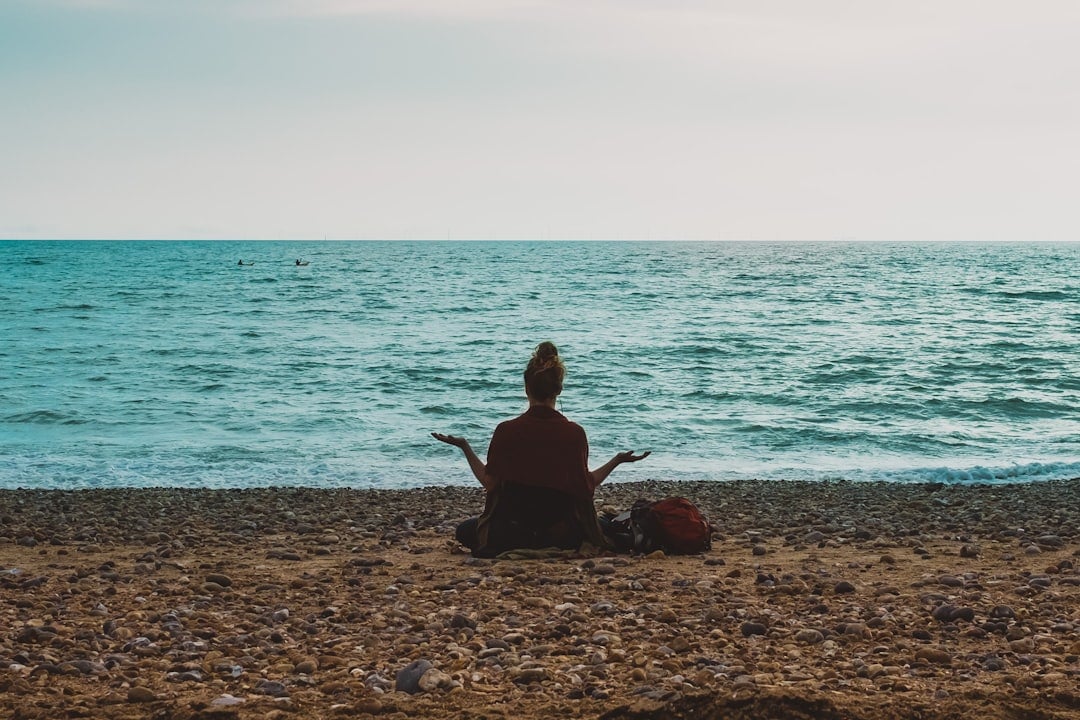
245, 263
300, 262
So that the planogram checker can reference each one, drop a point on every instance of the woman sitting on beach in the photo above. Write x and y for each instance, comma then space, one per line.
538, 483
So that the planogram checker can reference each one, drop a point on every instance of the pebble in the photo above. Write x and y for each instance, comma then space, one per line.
139, 694
272, 688
810, 636
407, 679
306, 667
970, 551
934, 656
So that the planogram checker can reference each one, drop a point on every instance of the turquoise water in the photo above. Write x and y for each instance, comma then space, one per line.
164, 363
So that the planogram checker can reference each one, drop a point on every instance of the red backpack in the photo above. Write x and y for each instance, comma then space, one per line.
673, 525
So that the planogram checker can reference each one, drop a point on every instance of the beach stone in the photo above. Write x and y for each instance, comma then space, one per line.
667, 616
856, 630
810, 636
843, 587
529, 674
141, 694
226, 700
407, 679
369, 706
272, 688
219, 579
752, 628
433, 679
970, 551
934, 656
1023, 645
680, 644
943, 613
186, 676
307, 666
1016, 633
964, 613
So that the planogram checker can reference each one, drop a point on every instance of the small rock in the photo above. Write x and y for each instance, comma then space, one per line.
141, 695
934, 656
843, 587
407, 679
1024, 645
528, 675
753, 628
810, 636
219, 579
226, 700
272, 688
370, 706
433, 679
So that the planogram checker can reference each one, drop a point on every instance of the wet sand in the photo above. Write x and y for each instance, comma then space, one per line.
835, 600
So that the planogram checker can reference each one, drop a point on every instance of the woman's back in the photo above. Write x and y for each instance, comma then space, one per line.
541, 448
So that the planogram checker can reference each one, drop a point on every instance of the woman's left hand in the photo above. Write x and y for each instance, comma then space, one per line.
630, 457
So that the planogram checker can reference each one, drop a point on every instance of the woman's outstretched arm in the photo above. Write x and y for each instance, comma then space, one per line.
600, 474
479, 469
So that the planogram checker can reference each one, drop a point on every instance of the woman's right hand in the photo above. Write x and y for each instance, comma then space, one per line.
456, 441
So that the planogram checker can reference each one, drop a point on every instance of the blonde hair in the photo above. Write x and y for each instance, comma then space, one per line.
545, 372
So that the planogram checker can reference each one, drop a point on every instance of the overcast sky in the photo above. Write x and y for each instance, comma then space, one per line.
521, 119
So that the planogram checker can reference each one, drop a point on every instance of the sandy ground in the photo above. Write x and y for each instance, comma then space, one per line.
819, 601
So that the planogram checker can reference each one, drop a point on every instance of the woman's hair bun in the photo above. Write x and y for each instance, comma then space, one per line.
544, 373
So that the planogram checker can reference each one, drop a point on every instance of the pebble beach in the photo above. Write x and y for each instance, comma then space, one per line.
817, 600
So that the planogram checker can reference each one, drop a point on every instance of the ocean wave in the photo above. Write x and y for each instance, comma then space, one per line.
1034, 295
983, 475
44, 417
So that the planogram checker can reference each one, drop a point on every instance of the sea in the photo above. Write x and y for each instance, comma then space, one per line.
169, 364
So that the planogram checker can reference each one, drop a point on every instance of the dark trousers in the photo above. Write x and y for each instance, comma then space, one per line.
466, 534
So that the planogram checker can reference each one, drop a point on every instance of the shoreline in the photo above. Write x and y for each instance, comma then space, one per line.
834, 600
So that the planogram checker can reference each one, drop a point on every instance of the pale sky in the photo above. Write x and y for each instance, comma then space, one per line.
532, 119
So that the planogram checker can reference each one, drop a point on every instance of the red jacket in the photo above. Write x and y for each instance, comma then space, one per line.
541, 448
